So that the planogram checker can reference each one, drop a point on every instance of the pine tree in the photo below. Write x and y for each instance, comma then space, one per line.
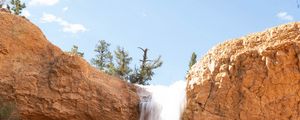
74, 51
17, 6
104, 58
111, 69
144, 74
193, 60
123, 60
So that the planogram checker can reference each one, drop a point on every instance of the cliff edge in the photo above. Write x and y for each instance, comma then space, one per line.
47, 84
256, 77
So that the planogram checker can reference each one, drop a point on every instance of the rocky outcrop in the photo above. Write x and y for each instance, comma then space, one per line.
256, 77
47, 84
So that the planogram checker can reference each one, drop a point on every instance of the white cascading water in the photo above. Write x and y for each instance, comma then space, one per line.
162, 102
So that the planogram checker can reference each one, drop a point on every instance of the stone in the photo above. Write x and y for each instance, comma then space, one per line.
48, 84
262, 81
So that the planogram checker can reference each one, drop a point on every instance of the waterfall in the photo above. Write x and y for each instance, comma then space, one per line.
162, 102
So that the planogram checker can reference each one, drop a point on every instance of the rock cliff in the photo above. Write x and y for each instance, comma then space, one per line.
47, 84
256, 77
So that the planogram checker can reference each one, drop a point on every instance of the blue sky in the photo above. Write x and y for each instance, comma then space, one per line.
170, 28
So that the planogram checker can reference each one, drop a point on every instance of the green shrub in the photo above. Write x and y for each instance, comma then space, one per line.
8, 110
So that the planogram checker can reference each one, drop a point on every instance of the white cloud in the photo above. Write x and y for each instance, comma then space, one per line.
48, 18
74, 28
67, 27
26, 13
285, 16
65, 9
43, 2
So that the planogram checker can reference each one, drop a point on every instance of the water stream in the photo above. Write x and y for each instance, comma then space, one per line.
162, 102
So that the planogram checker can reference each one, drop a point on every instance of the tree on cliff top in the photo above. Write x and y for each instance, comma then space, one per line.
74, 51
144, 74
123, 60
118, 65
17, 6
111, 69
104, 58
193, 60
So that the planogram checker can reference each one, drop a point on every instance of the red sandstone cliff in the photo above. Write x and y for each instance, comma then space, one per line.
48, 84
256, 77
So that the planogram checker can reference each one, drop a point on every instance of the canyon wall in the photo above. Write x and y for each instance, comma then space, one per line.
256, 77
47, 84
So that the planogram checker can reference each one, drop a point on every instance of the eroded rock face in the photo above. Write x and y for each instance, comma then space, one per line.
256, 77
48, 84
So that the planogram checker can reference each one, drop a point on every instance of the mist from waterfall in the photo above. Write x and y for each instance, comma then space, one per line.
162, 102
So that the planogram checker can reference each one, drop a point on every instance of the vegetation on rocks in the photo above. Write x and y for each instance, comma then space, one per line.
193, 60
74, 51
119, 64
15, 6
8, 110
144, 73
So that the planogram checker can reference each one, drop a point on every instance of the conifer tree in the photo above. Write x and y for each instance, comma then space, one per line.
123, 60
74, 51
144, 73
17, 6
111, 69
193, 60
104, 58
